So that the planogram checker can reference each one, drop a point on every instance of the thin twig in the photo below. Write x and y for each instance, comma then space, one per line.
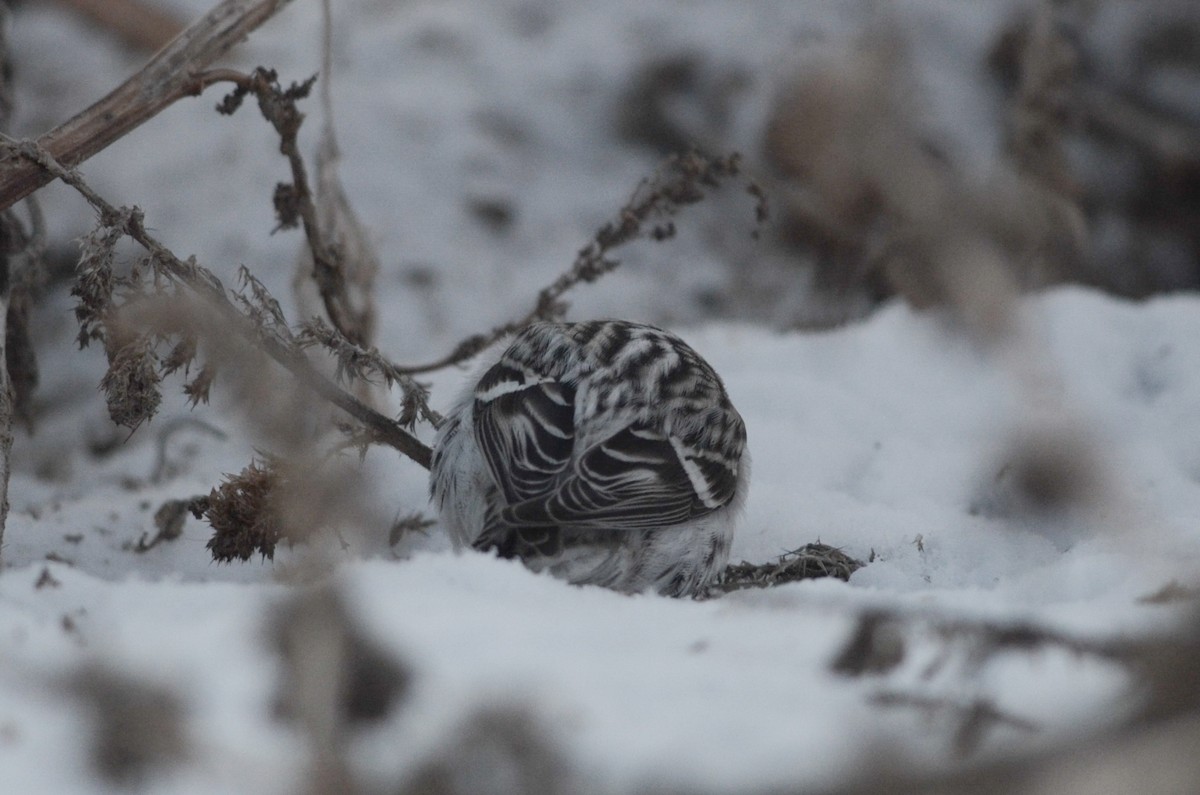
295, 201
208, 287
679, 182
354, 362
161, 465
168, 77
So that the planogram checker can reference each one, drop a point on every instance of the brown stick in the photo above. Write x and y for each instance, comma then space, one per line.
168, 77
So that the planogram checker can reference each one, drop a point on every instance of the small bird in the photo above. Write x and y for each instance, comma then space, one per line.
605, 452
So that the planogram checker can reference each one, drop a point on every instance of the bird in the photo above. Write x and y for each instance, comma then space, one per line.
605, 452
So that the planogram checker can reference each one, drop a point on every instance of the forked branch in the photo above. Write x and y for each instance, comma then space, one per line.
169, 76
204, 284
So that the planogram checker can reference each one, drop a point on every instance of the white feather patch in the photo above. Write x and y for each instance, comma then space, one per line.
700, 484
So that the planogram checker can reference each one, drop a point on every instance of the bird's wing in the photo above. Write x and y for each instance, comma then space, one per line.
525, 426
638, 478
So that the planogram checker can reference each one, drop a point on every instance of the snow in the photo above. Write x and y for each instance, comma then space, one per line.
886, 438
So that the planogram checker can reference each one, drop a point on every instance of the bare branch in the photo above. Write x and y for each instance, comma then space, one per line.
358, 261
209, 288
679, 182
168, 77
294, 202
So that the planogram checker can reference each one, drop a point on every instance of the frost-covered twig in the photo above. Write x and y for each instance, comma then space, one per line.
27, 274
679, 182
167, 78
207, 287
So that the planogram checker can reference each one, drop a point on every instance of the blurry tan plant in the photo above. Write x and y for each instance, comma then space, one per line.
860, 184
1102, 111
336, 228
138, 728
899, 217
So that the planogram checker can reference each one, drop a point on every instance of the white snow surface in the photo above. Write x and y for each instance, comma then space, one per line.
888, 438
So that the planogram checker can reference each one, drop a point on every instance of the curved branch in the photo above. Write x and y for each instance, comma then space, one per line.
168, 77
680, 181
205, 285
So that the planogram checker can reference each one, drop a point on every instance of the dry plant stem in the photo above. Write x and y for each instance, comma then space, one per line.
327, 270
168, 77
203, 283
680, 182
279, 108
359, 264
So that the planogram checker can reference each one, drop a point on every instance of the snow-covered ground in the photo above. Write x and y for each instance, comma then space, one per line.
892, 438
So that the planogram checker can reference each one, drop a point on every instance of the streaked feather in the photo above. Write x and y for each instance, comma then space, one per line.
610, 447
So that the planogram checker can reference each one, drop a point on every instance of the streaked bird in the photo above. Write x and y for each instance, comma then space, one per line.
605, 452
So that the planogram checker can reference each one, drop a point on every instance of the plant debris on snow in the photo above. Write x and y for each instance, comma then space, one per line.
810, 561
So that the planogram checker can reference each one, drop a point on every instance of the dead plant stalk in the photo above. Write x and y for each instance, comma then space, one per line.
169, 76
205, 285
